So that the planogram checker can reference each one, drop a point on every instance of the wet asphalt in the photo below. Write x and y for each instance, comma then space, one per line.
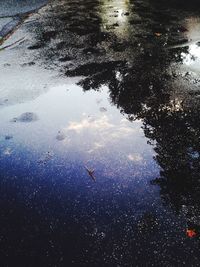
100, 136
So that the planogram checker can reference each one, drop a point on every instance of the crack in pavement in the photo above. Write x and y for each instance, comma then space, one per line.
17, 20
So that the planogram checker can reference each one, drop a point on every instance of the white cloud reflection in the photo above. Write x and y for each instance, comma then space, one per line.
101, 132
102, 125
135, 158
193, 56
90, 123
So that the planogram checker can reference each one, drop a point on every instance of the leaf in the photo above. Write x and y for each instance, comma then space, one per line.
158, 34
191, 233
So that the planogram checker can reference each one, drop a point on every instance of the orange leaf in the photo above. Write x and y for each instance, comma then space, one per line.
158, 34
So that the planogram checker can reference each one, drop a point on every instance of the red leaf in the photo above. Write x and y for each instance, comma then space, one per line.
191, 233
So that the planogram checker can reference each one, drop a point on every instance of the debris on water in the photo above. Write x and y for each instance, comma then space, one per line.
45, 158
8, 137
65, 58
91, 173
126, 14
36, 46
102, 109
6, 65
26, 117
60, 136
32, 63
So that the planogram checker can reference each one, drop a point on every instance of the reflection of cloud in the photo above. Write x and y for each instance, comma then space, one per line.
100, 124
135, 157
192, 56
193, 28
174, 105
102, 134
115, 12
122, 132
96, 147
95, 134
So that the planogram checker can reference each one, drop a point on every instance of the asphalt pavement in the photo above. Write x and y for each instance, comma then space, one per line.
12, 13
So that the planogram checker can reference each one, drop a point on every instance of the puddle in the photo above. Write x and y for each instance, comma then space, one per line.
99, 137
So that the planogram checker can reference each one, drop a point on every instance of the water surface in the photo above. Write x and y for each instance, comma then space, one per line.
111, 87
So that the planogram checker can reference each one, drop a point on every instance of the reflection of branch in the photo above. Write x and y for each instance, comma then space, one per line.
91, 173
7, 46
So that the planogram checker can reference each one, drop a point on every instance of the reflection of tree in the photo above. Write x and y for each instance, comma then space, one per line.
138, 71
177, 137
192, 4
171, 123
131, 88
147, 88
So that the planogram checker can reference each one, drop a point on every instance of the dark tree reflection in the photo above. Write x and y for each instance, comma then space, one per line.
138, 55
149, 87
177, 136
